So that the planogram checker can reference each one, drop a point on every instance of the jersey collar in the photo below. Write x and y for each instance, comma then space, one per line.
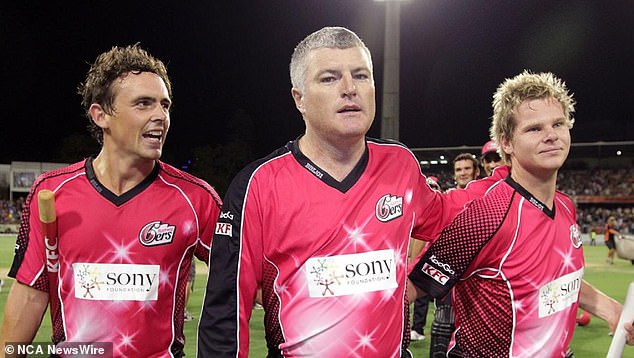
321, 174
531, 199
125, 197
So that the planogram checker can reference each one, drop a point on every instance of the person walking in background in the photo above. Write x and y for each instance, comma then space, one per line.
128, 224
610, 233
490, 157
323, 224
487, 256
191, 279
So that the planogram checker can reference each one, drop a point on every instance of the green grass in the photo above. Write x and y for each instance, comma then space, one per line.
589, 342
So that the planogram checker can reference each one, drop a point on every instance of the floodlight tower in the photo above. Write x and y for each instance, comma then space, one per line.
391, 58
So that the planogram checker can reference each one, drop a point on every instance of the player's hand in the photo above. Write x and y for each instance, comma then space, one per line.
629, 333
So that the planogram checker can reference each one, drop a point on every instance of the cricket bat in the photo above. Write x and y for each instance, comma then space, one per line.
618, 341
48, 223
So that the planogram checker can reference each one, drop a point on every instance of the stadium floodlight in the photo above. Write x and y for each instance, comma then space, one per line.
391, 56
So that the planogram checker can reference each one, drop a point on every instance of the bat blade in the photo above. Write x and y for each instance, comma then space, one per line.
48, 221
618, 340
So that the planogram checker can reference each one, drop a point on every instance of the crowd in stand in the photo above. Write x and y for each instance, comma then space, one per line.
10, 211
594, 217
599, 182
602, 182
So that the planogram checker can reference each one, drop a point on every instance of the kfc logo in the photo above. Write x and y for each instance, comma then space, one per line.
224, 229
435, 273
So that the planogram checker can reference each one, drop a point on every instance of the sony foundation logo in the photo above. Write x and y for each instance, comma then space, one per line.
351, 274
116, 282
558, 295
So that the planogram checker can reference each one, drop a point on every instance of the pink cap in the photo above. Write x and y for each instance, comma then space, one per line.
489, 146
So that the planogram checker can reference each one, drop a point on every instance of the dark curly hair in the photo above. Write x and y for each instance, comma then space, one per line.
109, 66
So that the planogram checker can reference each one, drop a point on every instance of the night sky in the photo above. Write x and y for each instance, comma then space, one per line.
228, 62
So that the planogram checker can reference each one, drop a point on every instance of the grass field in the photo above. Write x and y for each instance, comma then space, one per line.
591, 341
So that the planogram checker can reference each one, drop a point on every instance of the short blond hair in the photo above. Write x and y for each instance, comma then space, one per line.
526, 86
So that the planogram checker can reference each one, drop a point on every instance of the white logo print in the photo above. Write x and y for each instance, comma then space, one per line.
444, 266
557, 295
575, 236
157, 233
116, 282
389, 207
351, 274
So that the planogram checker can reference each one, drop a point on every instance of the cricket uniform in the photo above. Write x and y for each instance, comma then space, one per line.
123, 260
330, 256
515, 267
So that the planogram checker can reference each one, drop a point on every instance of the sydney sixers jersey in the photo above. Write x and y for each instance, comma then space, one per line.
331, 257
123, 260
516, 269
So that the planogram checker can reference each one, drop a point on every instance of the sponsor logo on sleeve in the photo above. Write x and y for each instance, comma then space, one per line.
435, 273
389, 207
352, 274
157, 233
116, 282
559, 294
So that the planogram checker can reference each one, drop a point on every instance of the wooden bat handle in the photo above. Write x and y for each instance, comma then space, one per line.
46, 203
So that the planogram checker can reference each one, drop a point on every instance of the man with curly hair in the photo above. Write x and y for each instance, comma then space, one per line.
128, 225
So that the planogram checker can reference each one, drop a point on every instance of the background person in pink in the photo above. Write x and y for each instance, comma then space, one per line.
490, 158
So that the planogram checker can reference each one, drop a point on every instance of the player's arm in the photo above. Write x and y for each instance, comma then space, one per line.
599, 304
477, 188
23, 313
223, 330
210, 210
442, 208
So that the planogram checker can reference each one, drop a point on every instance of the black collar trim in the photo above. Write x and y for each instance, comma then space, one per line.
322, 175
531, 199
128, 195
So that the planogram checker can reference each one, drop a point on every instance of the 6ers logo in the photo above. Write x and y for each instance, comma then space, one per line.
156, 233
389, 207
575, 236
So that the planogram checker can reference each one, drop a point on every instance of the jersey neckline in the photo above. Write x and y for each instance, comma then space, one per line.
119, 200
344, 185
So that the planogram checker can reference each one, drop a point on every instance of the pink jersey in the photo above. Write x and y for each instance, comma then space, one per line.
516, 269
331, 257
123, 260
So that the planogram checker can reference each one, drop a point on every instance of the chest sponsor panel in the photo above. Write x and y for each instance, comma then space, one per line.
116, 282
559, 294
351, 274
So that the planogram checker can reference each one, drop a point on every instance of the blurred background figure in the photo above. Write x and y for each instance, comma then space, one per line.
465, 169
610, 235
490, 158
